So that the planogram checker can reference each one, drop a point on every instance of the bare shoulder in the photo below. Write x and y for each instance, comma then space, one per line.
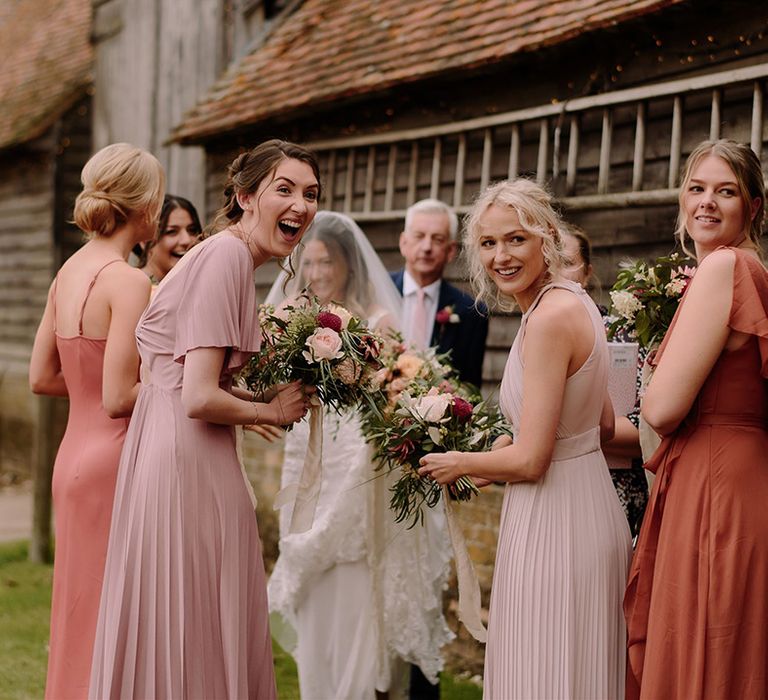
126, 281
718, 265
123, 273
557, 310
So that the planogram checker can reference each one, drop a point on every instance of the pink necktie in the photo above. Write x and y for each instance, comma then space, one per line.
419, 321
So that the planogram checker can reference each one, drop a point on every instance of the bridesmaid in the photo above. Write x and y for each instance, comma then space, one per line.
184, 607
179, 229
555, 628
697, 600
84, 349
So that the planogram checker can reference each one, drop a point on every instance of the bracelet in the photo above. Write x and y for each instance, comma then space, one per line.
256, 412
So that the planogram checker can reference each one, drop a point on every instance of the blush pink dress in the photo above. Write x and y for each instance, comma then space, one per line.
555, 626
184, 608
83, 490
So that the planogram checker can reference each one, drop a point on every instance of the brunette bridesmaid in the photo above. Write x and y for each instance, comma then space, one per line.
184, 605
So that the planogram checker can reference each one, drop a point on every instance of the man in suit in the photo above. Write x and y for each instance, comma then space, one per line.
435, 313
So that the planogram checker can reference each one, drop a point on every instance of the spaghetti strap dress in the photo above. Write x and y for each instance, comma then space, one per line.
697, 598
84, 477
184, 606
555, 628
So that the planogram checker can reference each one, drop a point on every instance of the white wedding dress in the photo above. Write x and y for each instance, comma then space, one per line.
357, 595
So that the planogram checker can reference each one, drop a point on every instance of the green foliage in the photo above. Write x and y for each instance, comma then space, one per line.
645, 298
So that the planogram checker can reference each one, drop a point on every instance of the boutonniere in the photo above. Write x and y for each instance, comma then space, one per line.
447, 315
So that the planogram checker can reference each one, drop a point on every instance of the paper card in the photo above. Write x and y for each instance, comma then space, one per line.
622, 384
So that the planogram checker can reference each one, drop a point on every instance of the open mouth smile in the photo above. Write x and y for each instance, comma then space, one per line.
289, 227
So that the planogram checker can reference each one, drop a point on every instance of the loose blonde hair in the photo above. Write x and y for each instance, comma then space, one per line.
741, 159
533, 206
119, 181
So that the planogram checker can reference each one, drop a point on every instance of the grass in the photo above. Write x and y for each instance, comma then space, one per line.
25, 600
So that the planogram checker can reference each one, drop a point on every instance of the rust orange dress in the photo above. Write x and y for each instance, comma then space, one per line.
697, 598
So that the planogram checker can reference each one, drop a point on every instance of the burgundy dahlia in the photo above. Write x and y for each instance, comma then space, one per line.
461, 409
325, 319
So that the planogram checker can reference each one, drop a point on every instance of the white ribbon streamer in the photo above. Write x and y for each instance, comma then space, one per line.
469, 588
305, 493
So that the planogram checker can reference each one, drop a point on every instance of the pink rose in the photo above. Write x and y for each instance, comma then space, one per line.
323, 344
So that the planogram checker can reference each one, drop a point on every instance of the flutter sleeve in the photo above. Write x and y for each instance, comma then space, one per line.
218, 308
749, 309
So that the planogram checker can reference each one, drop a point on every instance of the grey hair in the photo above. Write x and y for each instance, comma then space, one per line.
533, 206
433, 206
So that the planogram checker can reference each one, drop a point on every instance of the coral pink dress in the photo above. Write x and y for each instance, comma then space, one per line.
184, 606
83, 490
697, 599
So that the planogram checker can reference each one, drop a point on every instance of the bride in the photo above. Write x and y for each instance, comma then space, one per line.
357, 596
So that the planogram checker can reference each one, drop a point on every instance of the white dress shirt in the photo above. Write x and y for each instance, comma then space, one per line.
431, 294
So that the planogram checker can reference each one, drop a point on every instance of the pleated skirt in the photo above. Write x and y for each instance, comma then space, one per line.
556, 627
183, 611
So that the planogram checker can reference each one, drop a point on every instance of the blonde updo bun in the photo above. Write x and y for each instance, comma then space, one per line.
120, 181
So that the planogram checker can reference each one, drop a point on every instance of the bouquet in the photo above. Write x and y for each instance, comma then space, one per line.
400, 366
645, 297
421, 419
321, 345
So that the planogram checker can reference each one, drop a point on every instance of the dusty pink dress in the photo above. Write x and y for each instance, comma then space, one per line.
184, 609
83, 490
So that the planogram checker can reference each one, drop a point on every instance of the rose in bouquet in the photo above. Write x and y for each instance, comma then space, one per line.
645, 297
421, 420
322, 345
401, 366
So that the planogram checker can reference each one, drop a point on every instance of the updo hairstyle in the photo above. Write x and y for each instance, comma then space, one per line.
533, 205
120, 182
246, 173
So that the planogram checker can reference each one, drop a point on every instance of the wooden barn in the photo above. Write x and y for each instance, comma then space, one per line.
45, 138
599, 99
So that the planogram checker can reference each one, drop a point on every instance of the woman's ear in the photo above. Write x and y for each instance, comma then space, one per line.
244, 200
755, 206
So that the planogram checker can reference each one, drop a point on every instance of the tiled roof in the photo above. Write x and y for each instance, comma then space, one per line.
46, 63
332, 49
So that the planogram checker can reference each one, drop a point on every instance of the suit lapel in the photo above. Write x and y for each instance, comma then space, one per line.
441, 333
397, 278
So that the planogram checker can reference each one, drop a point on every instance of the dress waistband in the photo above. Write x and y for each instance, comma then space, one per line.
577, 445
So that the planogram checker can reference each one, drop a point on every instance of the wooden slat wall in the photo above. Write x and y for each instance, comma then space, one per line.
26, 244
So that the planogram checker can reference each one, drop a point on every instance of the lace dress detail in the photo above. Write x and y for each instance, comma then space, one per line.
355, 543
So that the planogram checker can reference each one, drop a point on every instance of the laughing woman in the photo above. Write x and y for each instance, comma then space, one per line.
555, 628
178, 231
184, 607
